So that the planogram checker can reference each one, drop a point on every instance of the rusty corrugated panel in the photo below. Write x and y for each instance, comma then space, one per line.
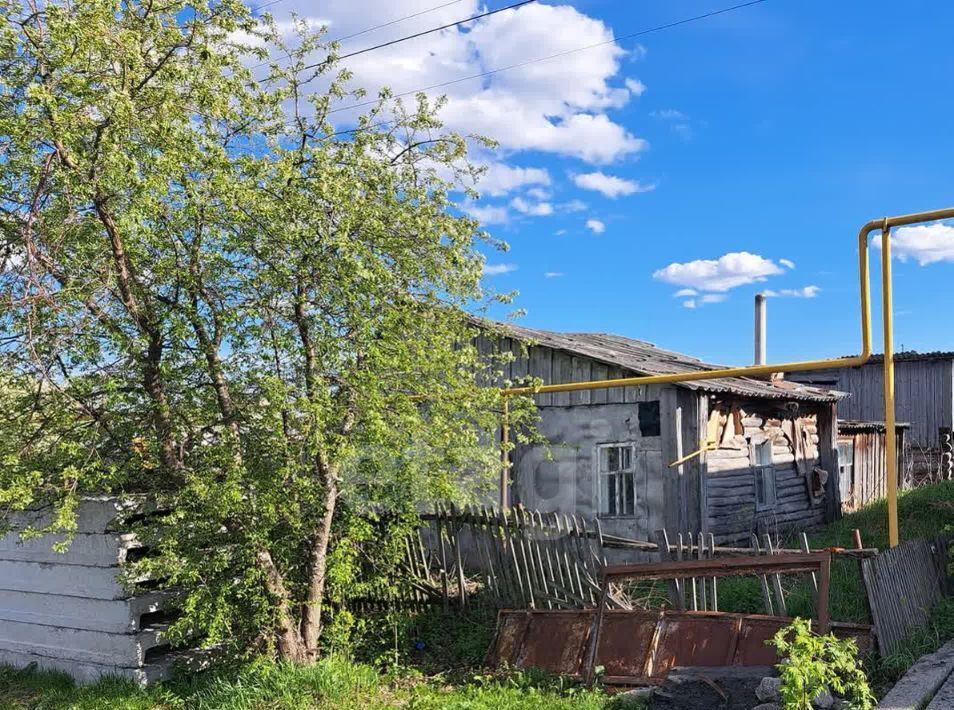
641, 646
694, 639
626, 642
511, 630
556, 641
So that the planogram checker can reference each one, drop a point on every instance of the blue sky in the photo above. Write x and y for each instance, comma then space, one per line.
775, 130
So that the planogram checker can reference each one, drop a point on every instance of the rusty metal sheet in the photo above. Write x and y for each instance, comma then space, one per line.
626, 642
511, 629
556, 641
695, 639
641, 646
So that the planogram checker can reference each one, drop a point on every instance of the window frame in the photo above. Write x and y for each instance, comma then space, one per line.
619, 474
846, 485
845, 463
764, 473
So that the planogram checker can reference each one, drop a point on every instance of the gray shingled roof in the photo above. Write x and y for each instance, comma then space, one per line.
644, 358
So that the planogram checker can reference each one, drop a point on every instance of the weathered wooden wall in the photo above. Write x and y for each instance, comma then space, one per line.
730, 479
869, 475
557, 367
562, 476
923, 394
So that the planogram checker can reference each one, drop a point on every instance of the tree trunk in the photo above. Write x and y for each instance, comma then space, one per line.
290, 646
318, 565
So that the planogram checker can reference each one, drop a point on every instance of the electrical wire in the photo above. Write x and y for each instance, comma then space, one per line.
359, 33
615, 40
424, 32
394, 22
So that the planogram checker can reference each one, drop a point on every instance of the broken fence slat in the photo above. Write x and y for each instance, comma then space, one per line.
776, 580
902, 586
766, 595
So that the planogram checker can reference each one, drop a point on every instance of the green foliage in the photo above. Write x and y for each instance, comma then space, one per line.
435, 640
211, 296
885, 671
333, 682
812, 664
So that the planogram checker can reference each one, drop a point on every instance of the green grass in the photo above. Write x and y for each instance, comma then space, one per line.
922, 513
432, 655
334, 682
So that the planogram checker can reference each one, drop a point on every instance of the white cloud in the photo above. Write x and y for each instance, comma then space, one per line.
538, 193
726, 272
609, 185
496, 269
635, 86
572, 206
485, 214
553, 274
804, 292
685, 293
697, 300
679, 122
560, 232
925, 243
501, 178
554, 106
539, 209
595, 226
787, 263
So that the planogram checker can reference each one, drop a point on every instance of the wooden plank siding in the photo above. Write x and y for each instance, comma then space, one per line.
730, 498
709, 493
924, 394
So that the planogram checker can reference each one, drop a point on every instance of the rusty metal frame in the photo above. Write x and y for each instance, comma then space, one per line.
817, 562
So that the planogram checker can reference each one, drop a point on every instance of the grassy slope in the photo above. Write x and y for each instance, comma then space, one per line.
339, 683
331, 683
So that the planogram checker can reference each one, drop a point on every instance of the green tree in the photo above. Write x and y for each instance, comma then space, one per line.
212, 296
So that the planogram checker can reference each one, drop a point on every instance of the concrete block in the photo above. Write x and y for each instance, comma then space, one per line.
922, 681
84, 673
95, 514
119, 616
88, 549
67, 580
944, 699
79, 644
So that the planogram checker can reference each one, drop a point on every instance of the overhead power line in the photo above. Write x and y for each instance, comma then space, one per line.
359, 33
394, 22
425, 32
615, 40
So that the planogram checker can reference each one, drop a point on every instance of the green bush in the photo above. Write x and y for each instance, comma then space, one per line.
812, 664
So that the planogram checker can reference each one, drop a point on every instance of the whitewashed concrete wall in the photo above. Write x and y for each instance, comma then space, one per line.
68, 611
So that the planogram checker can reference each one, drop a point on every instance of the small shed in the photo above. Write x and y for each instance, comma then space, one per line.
728, 456
923, 390
862, 474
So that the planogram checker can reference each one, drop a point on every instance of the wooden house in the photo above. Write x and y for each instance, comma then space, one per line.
862, 474
727, 457
923, 390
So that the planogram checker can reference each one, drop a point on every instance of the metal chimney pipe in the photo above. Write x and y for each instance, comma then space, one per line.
761, 325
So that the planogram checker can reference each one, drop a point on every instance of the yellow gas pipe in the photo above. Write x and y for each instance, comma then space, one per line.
799, 366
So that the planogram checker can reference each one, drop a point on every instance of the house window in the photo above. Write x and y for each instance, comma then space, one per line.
616, 469
764, 475
846, 460
648, 414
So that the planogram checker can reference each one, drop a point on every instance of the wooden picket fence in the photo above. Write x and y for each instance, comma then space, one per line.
903, 586
520, 558
530, 559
